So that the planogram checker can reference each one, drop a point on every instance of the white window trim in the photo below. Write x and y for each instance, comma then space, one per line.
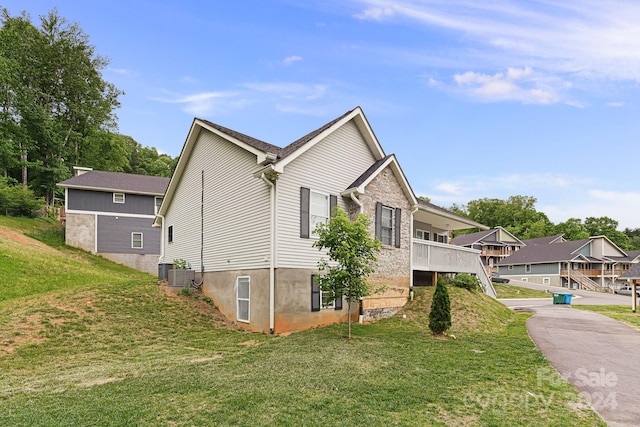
393, 213
331, 305
510, 267
527, 268
312, 227
238, 299
546, 281
141, 240
170, 235
524, 279
115, 198
423, 232
155, 204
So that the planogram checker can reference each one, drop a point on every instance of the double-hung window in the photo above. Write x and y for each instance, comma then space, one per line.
388, 224
136, 240
318, 210
422, 234
243, 286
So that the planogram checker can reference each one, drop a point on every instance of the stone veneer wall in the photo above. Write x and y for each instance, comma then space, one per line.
393, 269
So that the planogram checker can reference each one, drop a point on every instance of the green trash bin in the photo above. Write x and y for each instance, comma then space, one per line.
558, 298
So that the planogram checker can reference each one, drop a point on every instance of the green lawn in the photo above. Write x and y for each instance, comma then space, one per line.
621, 313
504, 290
123, 351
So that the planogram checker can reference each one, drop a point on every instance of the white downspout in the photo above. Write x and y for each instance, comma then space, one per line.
161, 259
413, 211
272, 240
357, 202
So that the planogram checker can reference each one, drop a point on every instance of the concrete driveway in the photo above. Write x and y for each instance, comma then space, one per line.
596, 354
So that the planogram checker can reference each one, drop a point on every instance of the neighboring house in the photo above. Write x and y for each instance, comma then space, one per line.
494, 245
242, 213
111, 214
594, 263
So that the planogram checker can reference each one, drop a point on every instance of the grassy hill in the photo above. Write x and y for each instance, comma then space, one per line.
86, 342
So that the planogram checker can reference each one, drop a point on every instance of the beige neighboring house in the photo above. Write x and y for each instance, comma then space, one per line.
111, 214
242, 212
494, 245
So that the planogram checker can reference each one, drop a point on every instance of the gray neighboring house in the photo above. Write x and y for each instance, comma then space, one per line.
595, 263
494, 245
111, 214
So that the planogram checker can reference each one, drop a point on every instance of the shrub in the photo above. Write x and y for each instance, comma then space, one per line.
16, 200
440, 315
466, 281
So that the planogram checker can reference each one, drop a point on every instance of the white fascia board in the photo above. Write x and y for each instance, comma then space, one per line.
124, 215
109, 190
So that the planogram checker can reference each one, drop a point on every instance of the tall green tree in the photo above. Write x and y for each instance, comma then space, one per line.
352, 257
55, 101
572, 229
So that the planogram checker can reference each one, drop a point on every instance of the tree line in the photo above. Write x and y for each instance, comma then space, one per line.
56, 109
518, 215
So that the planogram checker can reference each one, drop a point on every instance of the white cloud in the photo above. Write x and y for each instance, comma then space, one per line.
199, 104
291, 59
375, 13
589, 39
122, 71
297, 91
517, 84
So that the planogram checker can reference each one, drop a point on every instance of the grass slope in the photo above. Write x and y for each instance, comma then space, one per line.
512, 291
125, 352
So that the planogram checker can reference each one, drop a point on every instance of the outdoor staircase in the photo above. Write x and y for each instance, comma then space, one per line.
485, 280
586, 282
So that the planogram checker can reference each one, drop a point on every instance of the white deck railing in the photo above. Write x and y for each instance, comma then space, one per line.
446, 258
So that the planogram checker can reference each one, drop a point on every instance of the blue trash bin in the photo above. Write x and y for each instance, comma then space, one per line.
567, 298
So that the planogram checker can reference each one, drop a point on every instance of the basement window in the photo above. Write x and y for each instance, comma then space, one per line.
243, 286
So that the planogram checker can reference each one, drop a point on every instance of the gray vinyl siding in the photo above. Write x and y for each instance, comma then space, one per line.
428, 227
102, 201
236, 209
585, 250
546, 268
114, 235
328, 167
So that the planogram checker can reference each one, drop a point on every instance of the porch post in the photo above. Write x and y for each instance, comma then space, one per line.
634, 297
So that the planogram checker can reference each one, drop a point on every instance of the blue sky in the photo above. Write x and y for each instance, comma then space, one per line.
476, 98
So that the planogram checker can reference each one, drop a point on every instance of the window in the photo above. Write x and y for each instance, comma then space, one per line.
170, 233
315, 208
441, 238
422, 235
318, 210
510, 267
136, 240
546, 281
320, 300
524, 279
243, 291
158, 201
118, 197
388, 224
527, 268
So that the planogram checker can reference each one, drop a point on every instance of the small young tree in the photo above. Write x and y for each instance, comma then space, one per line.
440, 315
353, 253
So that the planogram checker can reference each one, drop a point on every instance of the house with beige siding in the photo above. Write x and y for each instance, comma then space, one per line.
111, 214
494, 245
242, 213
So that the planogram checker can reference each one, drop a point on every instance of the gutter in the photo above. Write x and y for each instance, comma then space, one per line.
161, 227
357, 202
272, 257
413, 211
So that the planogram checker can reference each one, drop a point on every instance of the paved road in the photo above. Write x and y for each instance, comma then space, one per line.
596, 354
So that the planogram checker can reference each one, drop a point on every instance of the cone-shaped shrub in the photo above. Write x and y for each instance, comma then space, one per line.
440, 315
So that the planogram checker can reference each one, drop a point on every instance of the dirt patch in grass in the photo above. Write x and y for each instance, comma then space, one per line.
24, 240
197, 304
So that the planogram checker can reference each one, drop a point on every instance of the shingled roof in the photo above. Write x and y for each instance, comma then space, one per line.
632, 273
544, 252
114, 181
468, 239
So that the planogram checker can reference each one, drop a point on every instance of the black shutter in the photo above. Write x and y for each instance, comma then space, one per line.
315, 294
305, 194
333, 202
398, 213
338, 302
378, 220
